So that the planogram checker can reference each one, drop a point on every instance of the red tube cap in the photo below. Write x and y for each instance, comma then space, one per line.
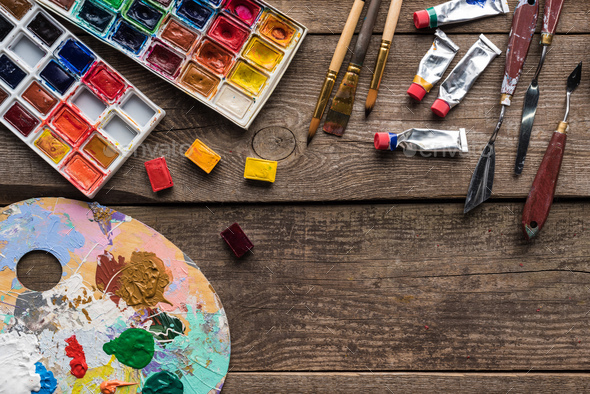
440, 107
421, 19
417, 92
381, 141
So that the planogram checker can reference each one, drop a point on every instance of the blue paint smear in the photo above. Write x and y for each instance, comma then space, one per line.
480, 3
29, 227
48, 381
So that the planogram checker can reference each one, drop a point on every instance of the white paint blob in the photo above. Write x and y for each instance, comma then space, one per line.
18, 355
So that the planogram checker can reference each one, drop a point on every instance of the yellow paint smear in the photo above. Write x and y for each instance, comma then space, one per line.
263, 54
247, 77
260, 170
203, 156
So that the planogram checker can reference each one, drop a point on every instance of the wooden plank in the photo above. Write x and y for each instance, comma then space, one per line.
331, 168
409, 287
367, 382
328, 17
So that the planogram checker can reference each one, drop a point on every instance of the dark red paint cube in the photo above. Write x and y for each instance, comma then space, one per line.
237, 240
159, 174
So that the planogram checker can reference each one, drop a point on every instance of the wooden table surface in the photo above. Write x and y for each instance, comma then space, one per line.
366, 276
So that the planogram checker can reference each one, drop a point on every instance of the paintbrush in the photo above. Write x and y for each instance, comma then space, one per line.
335, 65
388, 31
341, 108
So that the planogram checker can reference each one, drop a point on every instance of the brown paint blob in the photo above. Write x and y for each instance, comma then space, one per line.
65, 4
39, 98
197, 79
18, 8
143, 280
101, 151
179, 35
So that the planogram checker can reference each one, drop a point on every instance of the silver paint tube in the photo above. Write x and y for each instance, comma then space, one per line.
456, 11
424, 140
433, 65
464, 75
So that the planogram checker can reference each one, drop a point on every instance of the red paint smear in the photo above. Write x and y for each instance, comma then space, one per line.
245, 10
164, 59
229, 33
69, 125
159, 174
106, 270
21, 119
105, 81
75, 351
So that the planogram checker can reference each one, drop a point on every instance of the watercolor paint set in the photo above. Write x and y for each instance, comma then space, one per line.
64, 101
228, 54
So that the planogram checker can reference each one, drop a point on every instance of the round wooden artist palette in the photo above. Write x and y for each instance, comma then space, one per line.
118, 275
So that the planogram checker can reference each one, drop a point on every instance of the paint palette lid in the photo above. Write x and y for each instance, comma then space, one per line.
110, 322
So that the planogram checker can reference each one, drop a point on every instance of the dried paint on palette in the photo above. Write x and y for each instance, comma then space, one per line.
64, 102
206, 48
131, 314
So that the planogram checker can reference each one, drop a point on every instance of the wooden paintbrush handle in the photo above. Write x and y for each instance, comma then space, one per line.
347, 33
521, 34
392, 18
362, 42
538, 203
551, 15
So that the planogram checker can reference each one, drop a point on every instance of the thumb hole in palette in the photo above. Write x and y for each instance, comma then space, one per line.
39, 270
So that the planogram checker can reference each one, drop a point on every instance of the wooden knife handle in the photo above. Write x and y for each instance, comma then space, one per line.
541, 195
521, 35
551, 15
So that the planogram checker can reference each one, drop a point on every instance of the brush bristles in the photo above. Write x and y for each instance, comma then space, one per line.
313, 127
370, 103
336, 123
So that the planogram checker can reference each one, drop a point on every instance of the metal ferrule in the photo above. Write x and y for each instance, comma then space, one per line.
546, 38
430, 140
380, 66
456, 11
325, 94
466, 72
433, 65
562, 127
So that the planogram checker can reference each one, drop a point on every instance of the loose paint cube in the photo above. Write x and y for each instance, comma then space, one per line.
203, 156
159, 174
260, 170
236, 239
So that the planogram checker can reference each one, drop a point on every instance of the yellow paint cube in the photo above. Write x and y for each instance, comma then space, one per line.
260, 170
203, 156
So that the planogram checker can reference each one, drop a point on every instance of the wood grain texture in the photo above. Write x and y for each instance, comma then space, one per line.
328, 17
334, 168
376, 382
409, 287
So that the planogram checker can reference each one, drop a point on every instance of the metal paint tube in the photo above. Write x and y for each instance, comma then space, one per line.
464, 75
424, 140
433, 65
456, 11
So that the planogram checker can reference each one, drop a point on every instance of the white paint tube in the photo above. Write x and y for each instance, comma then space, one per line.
424, 140
456, 11
464, 75
433, 65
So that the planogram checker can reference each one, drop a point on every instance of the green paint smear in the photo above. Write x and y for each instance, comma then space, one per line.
134, 348
207, 348
163, 383
166, 327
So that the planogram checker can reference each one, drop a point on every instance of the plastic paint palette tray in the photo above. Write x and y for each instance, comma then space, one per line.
228, 54
64, 101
